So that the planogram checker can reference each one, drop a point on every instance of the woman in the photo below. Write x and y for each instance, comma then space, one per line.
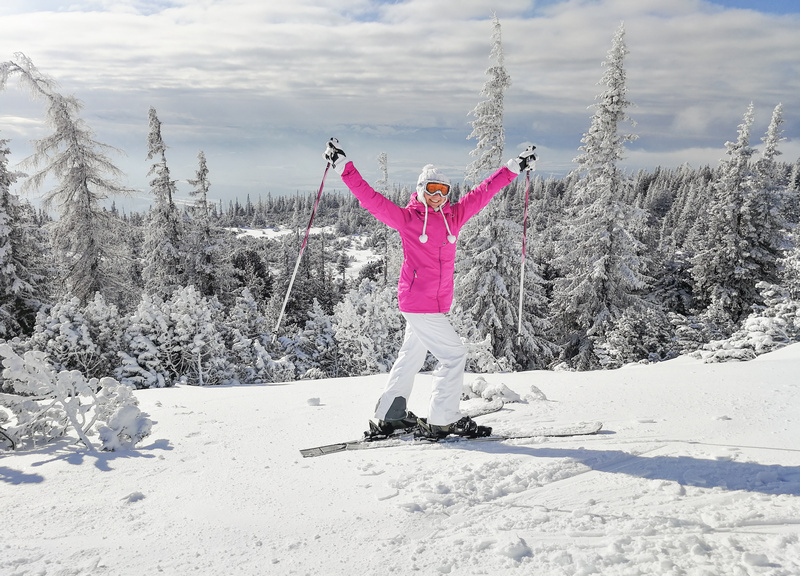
428, 228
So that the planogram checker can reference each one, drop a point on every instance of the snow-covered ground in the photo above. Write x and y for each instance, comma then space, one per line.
697, 473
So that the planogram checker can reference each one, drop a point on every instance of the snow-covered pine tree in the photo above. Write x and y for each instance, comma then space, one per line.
602, 268
369, 330
487, 291
385, 232
766, 328
84, 177
766, 227
147, 335
790, 266
200, 272
382, 184
196, 348
247, 337
164, 258
245, 316
794, 180
638, 335
729, 262
766, 167
689, 204
484, 272
545, 212
671, 261
19, 292
252, 273
791, 201
487, 127
480, 358
311, 282
208, 268
313, 350
790, 270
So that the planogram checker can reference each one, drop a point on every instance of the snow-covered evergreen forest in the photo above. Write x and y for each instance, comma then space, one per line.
619, 267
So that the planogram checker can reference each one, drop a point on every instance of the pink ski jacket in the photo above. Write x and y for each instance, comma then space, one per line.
426, 277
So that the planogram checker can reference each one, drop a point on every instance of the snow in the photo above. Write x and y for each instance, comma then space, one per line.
697, 473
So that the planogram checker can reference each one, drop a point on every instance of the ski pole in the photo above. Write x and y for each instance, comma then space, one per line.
300, 255
522, 265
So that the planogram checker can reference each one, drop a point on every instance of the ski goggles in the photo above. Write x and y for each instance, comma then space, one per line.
434, 188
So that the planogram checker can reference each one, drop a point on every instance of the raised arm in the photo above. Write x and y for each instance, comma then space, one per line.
376, 204
473, 202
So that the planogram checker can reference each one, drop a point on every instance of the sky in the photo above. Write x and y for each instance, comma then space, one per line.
260, 87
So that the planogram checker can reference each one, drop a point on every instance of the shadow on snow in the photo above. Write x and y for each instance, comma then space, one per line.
68, 451
683, 470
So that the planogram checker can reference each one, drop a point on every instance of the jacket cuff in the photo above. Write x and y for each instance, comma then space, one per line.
340, 166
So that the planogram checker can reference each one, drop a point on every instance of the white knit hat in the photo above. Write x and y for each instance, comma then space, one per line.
429, 174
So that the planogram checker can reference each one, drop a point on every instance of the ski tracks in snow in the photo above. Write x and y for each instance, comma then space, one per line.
671, 506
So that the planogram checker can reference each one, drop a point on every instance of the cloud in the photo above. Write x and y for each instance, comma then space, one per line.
260, 86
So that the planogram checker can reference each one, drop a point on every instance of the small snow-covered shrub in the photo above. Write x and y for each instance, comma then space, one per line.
536, 394
46, 402
790, 270
313, 374
255, 365
177, 340
141, 364
197, 349
124, 428
84, 338
480, 388
480, 358
636, 336
768, 328
246, 336
690, 333
121, 425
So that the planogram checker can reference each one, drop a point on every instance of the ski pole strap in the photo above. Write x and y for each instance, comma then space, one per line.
300, 255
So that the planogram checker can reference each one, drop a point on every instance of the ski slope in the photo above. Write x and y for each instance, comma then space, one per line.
697, 473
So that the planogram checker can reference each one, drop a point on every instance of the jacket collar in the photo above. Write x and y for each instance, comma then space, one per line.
418, 206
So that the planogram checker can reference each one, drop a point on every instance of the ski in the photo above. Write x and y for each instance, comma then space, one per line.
408, 439
472, 407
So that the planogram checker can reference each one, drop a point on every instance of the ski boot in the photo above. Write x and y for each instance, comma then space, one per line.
466, 426
385, 428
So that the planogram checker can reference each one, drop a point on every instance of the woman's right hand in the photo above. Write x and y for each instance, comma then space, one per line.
335, 155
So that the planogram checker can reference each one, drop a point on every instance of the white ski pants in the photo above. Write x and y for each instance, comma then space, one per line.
426, 332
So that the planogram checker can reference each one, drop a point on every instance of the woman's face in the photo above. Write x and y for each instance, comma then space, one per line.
434, 200
436, 194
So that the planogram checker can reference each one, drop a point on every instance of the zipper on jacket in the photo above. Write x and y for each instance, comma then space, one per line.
439, 289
